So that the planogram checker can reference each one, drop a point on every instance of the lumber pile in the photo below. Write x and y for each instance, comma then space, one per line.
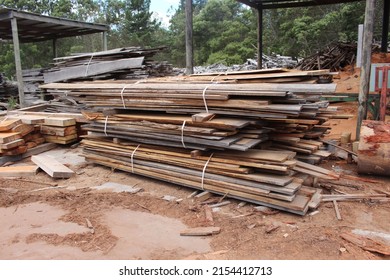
334, 57
121, 63
59, 130
53, 129
17, 137
245, 141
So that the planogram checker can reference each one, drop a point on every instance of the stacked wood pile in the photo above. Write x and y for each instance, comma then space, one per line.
122, 63
334, 57
17, 137
231, 137
8, 90
59, 130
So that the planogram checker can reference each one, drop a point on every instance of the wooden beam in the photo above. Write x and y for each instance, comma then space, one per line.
104, 38
18, 63
259, 37
385, 25
52, 167
189, 40
55, 48
366, 64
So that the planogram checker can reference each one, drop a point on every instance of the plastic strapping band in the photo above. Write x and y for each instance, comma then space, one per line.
204, 169
105, 126
123, 100
204, 98
182, 134
86, 70
131, 158
212, 80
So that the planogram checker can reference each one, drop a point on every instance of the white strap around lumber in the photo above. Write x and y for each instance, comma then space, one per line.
182, 134
204, 98
132, 158
204, 170
89, 62
105, 126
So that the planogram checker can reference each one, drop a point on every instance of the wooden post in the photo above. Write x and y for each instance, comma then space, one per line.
359, 47
18, 64
55, 54
189, 40
385, 25
366, 64
104, 37
259, 37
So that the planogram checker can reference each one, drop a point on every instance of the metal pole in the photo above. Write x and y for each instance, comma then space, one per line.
260, 37
385, 25
189, 39
18, 65
366, 64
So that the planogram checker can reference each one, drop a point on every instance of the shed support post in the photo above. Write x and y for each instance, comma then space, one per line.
55, 54
189, 39
385, 25
104, 37
366, 64
18, 64
260, 37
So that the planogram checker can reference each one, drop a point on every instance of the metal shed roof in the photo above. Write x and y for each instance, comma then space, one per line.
34, 27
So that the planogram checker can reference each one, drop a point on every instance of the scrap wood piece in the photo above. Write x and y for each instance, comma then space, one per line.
90, 226
337, 210
59, 121
366, 243
6, 125
52, 167
202, 117
18, 171
208, 214
348, 197
200, 231
6, 137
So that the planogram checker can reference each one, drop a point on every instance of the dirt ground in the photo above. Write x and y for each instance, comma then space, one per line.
74, 221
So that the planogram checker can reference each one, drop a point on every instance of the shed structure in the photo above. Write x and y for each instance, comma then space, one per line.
25, 27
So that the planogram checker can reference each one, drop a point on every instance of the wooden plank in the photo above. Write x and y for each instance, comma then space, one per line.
7, 125
58, 131
61, 122
367, 243
52, 167
200, 231
12, 144
202, 117
18, 171
34, 151
23, 129
30, 119
92, 69
6, 137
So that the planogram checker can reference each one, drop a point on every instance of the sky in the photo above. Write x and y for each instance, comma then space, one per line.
163, 9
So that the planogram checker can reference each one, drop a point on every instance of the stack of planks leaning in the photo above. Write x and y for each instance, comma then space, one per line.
123, 63
238, 140
17, 138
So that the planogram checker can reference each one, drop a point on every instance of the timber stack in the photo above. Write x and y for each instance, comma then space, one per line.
17, 137
121, 63
246, 141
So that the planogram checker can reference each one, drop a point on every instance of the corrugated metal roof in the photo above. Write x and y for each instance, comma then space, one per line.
34, 27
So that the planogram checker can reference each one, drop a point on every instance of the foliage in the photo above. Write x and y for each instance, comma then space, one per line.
224, 30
